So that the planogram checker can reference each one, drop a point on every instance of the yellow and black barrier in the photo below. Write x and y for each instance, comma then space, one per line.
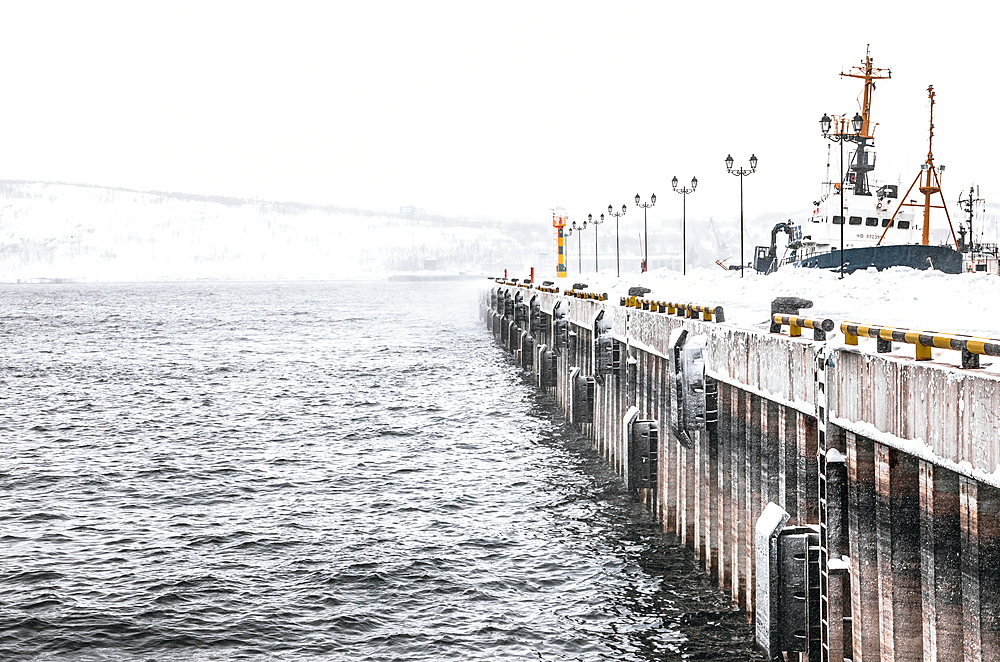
795, 325
515, 282
924, 341
691, 310
550, 290
637, 302
670, 307
707, 312
580, 294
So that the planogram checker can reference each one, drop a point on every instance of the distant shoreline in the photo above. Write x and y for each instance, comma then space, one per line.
421, 277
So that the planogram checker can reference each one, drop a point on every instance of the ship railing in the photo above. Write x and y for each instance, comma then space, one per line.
795, 325
971, 347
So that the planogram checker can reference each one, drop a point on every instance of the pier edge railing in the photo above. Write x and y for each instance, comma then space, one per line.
881, 538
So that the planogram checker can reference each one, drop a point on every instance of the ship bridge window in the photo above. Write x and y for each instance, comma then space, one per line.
886, 222
854, 220
838, 220
903, 225
871, 222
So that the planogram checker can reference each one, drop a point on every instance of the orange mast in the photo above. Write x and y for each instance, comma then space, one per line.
928, 187
870, 74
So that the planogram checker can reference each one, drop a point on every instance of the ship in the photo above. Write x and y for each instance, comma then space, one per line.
858, 222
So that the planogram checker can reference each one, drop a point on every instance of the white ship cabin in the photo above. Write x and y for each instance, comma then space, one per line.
864, 220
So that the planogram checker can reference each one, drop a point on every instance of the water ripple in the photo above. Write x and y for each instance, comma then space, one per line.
300, 471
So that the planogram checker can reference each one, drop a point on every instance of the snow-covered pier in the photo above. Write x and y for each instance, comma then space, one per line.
849, 500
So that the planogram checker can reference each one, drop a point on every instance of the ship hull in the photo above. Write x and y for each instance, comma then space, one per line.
915, 256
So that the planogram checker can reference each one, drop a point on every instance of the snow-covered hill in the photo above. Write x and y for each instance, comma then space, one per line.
64, 231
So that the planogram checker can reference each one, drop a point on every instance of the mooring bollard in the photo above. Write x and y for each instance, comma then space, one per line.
787, 306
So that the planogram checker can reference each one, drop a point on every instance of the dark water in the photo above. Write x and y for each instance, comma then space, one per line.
296, 471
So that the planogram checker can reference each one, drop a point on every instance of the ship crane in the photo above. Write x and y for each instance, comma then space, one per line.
766, 257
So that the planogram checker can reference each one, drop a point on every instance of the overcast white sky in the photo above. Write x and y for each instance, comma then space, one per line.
503, 110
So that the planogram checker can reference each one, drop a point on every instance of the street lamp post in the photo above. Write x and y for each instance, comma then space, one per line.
568, 232
579, 243
741, 173
618, 258
825, 123
590, 217
645, 227
684, 191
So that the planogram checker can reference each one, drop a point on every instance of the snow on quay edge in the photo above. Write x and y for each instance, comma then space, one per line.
900, 297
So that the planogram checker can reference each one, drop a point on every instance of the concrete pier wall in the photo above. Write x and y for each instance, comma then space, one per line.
884, 467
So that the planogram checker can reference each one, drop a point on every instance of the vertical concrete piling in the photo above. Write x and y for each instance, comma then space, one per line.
883, 467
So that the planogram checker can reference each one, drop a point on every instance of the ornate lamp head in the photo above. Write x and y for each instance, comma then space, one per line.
857, 123
824, 124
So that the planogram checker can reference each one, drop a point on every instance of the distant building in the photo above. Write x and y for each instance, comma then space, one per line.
410, 210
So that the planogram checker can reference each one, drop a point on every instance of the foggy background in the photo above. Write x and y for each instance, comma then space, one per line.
328, 139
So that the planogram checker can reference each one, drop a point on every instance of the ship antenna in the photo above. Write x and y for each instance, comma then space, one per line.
829, 184
968, 206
